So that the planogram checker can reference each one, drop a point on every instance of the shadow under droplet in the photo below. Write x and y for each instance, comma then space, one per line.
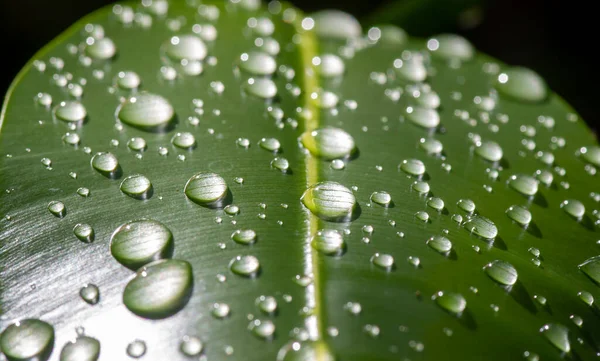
587, 223
540, 200
163, 128
504, 163
499, 243
520, 294
467, 320
116, 174
534, 230
452, 255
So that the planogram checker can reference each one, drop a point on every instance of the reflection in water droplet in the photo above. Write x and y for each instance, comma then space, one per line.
482, 227
137, 144
247, 266
207, 189
501, 272
84, 348
159, 289
329, 200
329, 242
105, 163
452, 302
328, 143
522, 84
84, 232
27, 339
137, 243
421, 187
558, 335
146, 111
136, 186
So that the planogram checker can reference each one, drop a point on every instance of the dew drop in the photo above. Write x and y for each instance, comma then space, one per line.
267, 304
261, 87
70, 111
482, 227
191, 346
101, 49
522, 84
335, 24
185, 47
557, 335
136, 186
128, 80
591, 155
586, 297
328, 143
440, 243
184, 140
206, 189
490, 151
136, 349
411, 70
573, 207
27, 339
244, 236
431, 146
84, 348
84, 232
146, 111
423, 117
383, 261
258, 63
413, 167
382, 198
421, 187
591, 268
139, 242
220, 310
264, 329
270, 144
452, 302
137, 144
280, 163
502, 272
329, 242
451, 47
90, 293
436, 203
106, 164
519, 214
57, 208
247, 266
330, 66
330, 201
523, 184
466, 205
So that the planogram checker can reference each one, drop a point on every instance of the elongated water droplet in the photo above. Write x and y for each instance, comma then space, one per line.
106, 164
431, 146
524, 184
206, 189
591, 155
421, 187
573, 207
502, 272
137, 144
57, 208
191, 346
27, 339
84, 232
70, 111
185, 47
466, 205
247, 266
452, 302
436, 203
258, 63
329, 242
384, 261
184, 140
146, 111
71, 139
382, 198
84, 348
128, 80
413, 167
281, 164
159, 289
591, 268
139, 242
490, 151
244, 236
482, 227
90, 293
557, 335
270, 144
261, 87
329, 200
335, 24
451, 47
519, 214
586, 297
522, 84
136, 349
440, 243
267, 304
423, 117
328, 143
136, 186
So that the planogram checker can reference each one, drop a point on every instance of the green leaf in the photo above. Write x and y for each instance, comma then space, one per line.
403, 199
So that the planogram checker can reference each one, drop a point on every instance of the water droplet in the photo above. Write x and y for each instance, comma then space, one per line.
519, 214
325, 99
305, 351
591, 268
413, 167
191, 346
261, 87
423, 117
220, 310
422, 216
184, 140
337, 164
44, 99
524, 184
137, 144
577, 320
84, 232
146, 111
335, 24
545, 177
558, 335
57, 208
436, 203
490, 151
185, 47
573, 207
90, 293
328, 143
452, 302
329, 65
27, 339
136, 186
466, 205
415, 261
281, 164
270, 144
264, 329
329, 200
244, 236
451, 47
586, 297
258, 63
431, 146
502, 272
522, 84
243, 142
139, 242
247, 266
482, 227
71, 139
70, 111
382, 198
267, 304
136, 349
84, 348
411, 70
384, 261
329, 242
100, 49
540, 299
159, 289
206, 189
232, 209
128, 80
440, 243
421, 187
106, 164
591, 155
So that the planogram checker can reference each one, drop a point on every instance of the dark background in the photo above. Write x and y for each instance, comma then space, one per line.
558, 39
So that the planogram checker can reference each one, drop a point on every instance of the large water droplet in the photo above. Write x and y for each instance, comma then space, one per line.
328, 143
502, 272
139, 242
452, 302
329, 200
522, 84
573, 207
159, 289
258, 63
591, 268
524, 184
247, 266
329, 242
146, 111
188, 47
558, 335
482, 227
27, 339
106, 164
384, 261
335, 24
70, 111
136, 186
206, 189
440, 244
84, 348
450, 47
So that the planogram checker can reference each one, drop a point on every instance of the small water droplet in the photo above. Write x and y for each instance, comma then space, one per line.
137, 144
191, 346
84, 232
70, 111
586, 297
206, 189
90, 293
335, 24
382, 198
244, 236
270, 144
502, 272
413, 167
139, 242
591, 155
136, 349
573, 207
247, 266
519, 214
591, 268
466, 205
136, 186
258, 63
423, 117
106, 164
267, 304
384, 261
436, 203
489, 150
452, 302
411, 70
329, 242
440, 243
421, 187
57, 208
329, 200
220, 310
431, 146
184, 140
261, 87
